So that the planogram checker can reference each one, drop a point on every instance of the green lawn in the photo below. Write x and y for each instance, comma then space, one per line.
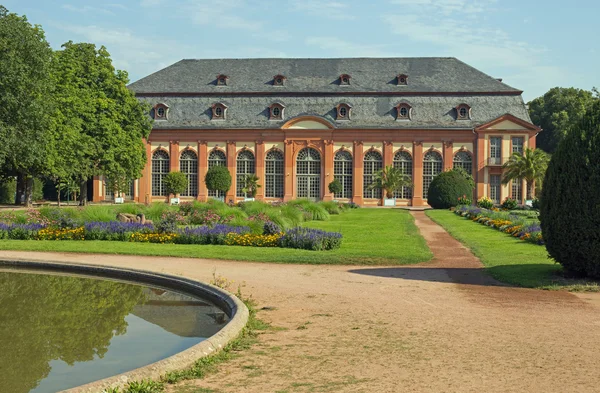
371, 237
506, 258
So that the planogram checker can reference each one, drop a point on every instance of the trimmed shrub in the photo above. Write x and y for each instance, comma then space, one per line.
175, 183
569, 204
218, 178
446, 189
335, 187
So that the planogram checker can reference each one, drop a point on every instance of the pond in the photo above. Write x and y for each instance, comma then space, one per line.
58, 332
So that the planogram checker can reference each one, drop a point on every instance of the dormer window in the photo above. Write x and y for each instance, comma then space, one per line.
279, 80
343, 112
161, 112
402, 80
344, 80
276, 112
463, 112
222, 80
219, 111
403, 112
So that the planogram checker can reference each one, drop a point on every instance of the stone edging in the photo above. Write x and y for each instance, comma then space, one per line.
233, 307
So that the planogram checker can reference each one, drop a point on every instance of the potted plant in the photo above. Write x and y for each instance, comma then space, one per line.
218, 178
251, 187
390, 180
175, 184
335, 187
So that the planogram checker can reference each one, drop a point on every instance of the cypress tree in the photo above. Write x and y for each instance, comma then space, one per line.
570, 200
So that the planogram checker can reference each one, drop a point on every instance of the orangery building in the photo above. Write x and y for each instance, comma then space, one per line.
298, 124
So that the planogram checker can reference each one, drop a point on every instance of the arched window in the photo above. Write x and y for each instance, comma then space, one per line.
372, 164
274, 178
160, 167
432, 166
308, 171
245, 166
188, 164
342, 171
463, 160
403, 161
216, 158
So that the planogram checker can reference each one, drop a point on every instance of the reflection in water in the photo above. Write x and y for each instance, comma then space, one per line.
57, 332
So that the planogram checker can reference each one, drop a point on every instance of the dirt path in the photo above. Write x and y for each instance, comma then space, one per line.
443, 326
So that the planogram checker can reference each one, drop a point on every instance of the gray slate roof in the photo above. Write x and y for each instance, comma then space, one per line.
367, 111
425, 74
435, 87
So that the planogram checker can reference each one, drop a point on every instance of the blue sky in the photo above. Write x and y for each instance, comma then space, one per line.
532, 45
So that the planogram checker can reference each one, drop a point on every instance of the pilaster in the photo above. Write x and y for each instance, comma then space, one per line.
480, 153
259, 157
358, 173
448, 156
231, 156
98, 188
418, 198
328, 166
202, 168
145, 182
289, 171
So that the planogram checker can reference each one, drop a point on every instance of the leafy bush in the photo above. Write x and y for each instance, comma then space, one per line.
62, 218
335, 187
509, 204
218, 178
352, 205
446, 189
8, 190
175, 183
535, 204
569, 207
310, 239
270, 228
331, 207
485, 203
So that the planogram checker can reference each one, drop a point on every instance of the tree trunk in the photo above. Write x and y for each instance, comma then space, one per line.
28, 191
58, 195
529, 185
83, 192
20, 189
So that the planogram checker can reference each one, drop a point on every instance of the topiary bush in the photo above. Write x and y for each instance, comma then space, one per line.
175, 183
218, 178
335, 187
446, 189
569, 204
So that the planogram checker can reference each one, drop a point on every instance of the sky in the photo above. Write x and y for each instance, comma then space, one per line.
533, 45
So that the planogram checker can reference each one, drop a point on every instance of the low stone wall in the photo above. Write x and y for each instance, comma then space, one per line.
231, 305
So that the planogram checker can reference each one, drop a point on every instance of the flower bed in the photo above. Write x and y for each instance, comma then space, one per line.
311, 239
506, 222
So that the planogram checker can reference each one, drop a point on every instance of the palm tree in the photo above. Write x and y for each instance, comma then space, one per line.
390, 180
251, 185
531, 165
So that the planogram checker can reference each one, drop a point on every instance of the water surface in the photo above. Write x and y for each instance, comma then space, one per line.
58, 332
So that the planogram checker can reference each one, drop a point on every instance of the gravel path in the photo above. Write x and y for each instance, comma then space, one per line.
444, 326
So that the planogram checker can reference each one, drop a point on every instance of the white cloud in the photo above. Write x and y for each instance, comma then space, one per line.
489, 48
325, 9
339, 47
86, 9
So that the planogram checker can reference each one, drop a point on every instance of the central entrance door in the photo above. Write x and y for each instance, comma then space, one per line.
308, 170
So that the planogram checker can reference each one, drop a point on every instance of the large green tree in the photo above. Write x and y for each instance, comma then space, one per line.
530, 166
569, 207
98, 123
25, 86
556, 111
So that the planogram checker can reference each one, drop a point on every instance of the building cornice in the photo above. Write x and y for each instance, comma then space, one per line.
327, 94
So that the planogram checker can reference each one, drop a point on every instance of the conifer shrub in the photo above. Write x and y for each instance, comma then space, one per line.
446, 189
570, 200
